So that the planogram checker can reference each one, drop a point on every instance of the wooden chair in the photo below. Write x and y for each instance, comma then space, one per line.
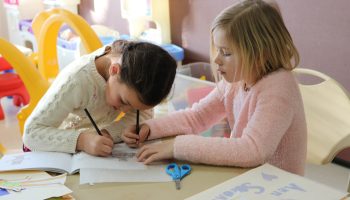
327, 110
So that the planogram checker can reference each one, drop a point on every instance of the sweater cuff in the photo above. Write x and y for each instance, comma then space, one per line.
71, 144
181, 147
195, 149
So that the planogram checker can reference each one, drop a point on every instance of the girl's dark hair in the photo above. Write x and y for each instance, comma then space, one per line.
147, 68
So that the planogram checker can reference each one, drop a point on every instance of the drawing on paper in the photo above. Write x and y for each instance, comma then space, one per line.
18, 160
123, 155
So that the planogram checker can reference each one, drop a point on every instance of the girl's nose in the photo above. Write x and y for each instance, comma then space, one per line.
217, 60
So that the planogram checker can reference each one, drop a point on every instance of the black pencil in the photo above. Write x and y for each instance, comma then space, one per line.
137, 122
92, 121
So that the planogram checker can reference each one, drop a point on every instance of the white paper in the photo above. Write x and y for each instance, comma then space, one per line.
153, 173
125, 168
48, 161
123, 158
49, 186
269, 183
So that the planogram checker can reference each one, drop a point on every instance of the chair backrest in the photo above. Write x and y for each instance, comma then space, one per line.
46, 26
35, 83
327, 110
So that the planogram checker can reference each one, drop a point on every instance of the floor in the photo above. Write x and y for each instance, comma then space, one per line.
333, 175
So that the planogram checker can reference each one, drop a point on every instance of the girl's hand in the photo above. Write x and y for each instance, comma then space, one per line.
133, 140
106, 134
155, 152
94, 144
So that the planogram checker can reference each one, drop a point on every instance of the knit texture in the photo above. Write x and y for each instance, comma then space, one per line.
59, 117
267, 125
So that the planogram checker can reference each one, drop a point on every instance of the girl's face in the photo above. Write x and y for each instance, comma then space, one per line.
226, 59
121, 96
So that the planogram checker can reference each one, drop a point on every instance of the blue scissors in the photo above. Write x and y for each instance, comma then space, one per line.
178, 172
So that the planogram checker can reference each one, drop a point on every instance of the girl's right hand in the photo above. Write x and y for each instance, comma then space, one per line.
95, 144
132, 139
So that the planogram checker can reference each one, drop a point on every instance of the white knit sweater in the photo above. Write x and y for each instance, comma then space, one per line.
59, 117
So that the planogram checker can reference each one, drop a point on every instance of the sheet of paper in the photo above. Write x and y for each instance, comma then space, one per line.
36, 160
36, 185
269, 183
121, 167
154, 173
123, 158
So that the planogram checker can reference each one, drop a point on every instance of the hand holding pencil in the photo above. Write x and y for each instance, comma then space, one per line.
100, 144
134, 140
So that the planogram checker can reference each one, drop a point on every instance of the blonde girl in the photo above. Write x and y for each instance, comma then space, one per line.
254, 54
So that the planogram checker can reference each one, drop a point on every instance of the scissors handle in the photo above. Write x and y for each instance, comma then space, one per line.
174, 171
185, 169
177, 172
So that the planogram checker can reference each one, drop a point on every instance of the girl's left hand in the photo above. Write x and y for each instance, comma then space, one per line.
155, 152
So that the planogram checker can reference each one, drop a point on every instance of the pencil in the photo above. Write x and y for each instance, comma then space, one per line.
92, 121
137, 122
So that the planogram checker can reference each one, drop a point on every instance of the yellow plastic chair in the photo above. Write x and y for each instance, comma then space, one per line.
2, 150
35, 83
46, 26
327, 110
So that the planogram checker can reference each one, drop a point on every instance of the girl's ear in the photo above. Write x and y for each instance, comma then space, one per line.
114, 69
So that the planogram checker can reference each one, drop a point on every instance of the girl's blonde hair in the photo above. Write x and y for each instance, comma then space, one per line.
256, 31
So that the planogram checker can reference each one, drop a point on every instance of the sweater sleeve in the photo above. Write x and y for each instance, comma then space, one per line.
192, 120
260, 139
115, 129
41, 130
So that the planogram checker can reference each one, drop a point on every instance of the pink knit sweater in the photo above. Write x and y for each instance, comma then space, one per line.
267, 125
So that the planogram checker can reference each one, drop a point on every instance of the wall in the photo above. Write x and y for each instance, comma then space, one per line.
27, 10
3, 23
320, 29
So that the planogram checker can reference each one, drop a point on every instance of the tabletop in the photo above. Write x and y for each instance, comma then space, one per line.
201, 178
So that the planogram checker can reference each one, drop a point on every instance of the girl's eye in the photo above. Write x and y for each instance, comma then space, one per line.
224, 52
